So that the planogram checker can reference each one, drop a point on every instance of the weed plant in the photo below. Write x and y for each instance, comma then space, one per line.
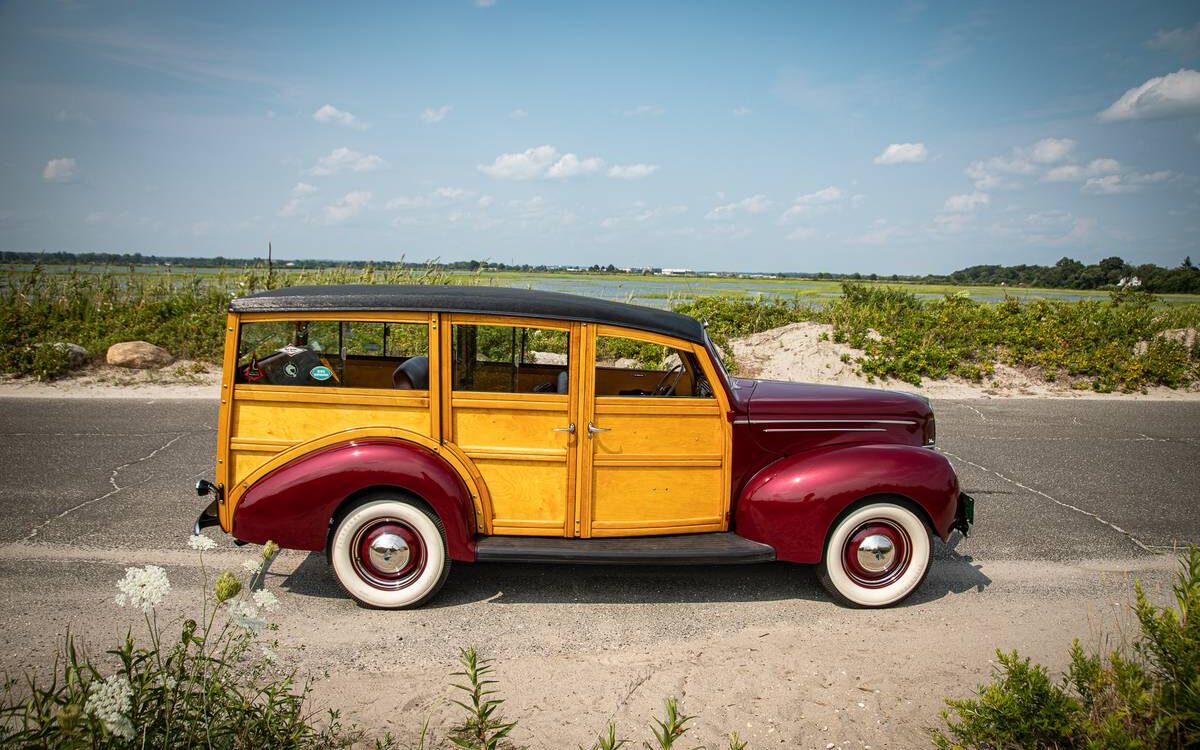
1146, 696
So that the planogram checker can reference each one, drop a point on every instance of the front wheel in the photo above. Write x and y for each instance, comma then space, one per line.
390, 552
876, 556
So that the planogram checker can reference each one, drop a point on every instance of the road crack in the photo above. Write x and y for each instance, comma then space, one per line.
1058, 502
112, 480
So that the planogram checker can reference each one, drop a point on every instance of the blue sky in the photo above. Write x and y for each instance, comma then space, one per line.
893, 138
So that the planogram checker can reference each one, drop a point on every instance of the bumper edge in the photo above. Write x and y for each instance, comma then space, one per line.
964, 514
207, 518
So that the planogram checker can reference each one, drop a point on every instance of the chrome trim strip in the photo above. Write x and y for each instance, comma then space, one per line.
825, 429
826, 421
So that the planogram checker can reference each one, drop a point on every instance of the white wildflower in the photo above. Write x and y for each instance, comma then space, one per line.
201, 543
251, 566
110, 703
269, 656
143, 588
265, 599
246, 617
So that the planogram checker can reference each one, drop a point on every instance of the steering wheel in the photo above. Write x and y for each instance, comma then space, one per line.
666, 389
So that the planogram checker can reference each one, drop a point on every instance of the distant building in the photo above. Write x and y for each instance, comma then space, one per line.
676, 272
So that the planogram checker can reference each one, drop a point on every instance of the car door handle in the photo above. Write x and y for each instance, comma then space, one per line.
593, 429
568, 429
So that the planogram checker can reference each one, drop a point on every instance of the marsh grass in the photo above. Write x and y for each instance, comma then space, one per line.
1119, 342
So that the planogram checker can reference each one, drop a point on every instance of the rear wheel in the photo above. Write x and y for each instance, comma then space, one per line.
876, 556
390, 552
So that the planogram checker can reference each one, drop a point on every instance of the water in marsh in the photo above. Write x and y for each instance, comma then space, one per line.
653, 291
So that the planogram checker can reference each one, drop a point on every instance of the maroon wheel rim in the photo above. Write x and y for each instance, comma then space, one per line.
388, 553
877, 553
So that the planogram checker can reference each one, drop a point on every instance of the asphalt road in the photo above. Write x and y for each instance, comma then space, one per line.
1053, 479
1074, 497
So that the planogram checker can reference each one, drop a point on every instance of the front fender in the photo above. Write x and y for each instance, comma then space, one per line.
792, 503
293, 504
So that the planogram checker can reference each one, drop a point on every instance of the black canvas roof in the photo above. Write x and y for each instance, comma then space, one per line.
495, 300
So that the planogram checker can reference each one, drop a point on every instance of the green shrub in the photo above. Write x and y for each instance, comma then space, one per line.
1147, 698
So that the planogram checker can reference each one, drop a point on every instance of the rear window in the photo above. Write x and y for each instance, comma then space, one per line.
509, 359
331, 354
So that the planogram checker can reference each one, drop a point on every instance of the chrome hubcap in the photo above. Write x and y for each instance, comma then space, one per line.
876, 553
389, 553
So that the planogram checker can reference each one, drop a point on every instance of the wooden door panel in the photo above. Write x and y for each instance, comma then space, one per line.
639, 500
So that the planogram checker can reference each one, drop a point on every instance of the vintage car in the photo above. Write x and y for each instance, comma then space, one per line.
398, 428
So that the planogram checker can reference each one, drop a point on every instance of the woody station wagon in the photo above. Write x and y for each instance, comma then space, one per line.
398, 428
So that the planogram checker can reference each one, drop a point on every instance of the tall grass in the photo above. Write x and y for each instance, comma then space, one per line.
1119, 343
182, 313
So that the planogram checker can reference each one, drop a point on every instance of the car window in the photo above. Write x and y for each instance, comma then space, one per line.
329, 354
509, 359
631, 367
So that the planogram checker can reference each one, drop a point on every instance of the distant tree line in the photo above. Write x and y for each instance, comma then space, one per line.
1065, 274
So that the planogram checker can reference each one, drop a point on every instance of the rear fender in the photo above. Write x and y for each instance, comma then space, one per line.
792, 503
294, 504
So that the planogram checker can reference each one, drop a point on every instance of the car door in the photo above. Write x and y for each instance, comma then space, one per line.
654, 441
510, 409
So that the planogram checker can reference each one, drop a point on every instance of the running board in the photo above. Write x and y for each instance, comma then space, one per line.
683, 549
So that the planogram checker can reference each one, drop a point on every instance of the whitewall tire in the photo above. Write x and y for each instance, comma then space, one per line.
390, 552
876, 556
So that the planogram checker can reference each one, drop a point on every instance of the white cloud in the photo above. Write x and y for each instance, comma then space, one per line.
451, 193
330, 114
348, 159
298, 193
438, 114
485, 201
1056, 228
571, 165
645, 110
801, 233
1173, 95
1115, 184
546, 162
348, 206
816, 202
529, 164
1077, 172
641, 214
632, 171
755, 204
997, 171
59, 170
967, 203
518, 114
741, 111
1182, 41
903, 153
880, 235
406, 201
1052, 150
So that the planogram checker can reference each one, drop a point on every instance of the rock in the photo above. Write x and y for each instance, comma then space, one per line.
628, 363
77, 356
138, 355
547, 358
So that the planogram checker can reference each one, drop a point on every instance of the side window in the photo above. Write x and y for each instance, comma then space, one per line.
325, 353
509, 359
629, 367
